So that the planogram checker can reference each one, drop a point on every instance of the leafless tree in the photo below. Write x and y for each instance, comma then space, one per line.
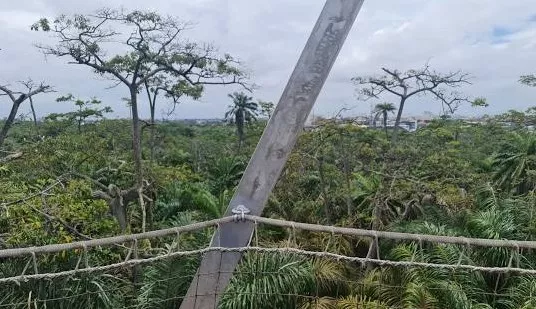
150, 46
412, 83
29, 86
17, 98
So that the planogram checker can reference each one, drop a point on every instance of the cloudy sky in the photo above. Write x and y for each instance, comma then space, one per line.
493, 40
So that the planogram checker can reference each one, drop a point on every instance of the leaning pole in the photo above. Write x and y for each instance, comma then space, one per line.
273, 149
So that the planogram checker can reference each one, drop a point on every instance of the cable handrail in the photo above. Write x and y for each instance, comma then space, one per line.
107, 241
481, 242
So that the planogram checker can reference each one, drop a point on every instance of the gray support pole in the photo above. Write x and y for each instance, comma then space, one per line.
273, 149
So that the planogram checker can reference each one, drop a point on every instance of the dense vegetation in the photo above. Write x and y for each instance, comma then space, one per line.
449, 178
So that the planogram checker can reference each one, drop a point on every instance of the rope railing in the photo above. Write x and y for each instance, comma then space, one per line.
177, 245
108, 241
55, 248
285, 250
39, 302
373, 234
480, 242
31, 252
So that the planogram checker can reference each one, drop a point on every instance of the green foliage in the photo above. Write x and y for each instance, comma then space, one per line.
86, 111
515, 162
267, 108
445, 179
164, 282
280, 281
178, 197
452, 177
383, 109
479, 102
269, 279
94, 292
46, 221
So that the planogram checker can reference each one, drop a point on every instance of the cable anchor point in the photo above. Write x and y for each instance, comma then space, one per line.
240, 212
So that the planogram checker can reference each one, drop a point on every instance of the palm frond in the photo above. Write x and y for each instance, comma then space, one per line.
269, 281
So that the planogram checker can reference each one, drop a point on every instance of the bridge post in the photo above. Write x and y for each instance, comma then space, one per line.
274, 147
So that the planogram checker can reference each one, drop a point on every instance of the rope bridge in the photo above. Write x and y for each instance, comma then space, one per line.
133, 256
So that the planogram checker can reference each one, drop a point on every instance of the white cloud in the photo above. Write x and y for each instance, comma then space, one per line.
17, 20
269, 35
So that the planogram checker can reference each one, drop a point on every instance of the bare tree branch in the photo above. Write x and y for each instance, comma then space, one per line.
406, 85
17, 98
11, 157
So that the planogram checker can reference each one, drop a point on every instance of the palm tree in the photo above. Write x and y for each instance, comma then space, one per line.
242, 111
280, 280
515, 162
224, 174
384, 109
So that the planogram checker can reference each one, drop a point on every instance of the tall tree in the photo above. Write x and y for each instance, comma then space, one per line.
152, 46
242, 111
87, 109
161, 85
17, 98
384, 109
405, 85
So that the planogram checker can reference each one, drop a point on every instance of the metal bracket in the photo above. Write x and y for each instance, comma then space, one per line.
240, 213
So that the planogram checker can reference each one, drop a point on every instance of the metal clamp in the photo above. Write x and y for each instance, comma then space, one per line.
240, 213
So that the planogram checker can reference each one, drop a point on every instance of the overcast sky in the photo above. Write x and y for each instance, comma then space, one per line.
495, 41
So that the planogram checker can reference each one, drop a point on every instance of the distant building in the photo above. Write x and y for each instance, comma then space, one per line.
409, 125
212, 121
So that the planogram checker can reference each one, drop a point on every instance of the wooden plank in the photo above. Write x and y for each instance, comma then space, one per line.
274, 147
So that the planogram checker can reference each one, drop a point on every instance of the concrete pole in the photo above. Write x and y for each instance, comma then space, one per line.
273, 149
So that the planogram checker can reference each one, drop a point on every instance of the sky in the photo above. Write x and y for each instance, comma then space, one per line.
494, 41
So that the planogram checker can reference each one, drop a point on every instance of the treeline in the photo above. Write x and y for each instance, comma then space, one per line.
450, 178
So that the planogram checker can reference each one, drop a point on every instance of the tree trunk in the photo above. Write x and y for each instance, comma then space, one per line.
397, 122
327, 204
34, 116
347, 177
9, 121
12, 156
153, 133
385, 122
79, 120
240, 129
197, 157
136, 137
152, 107
373, 252
136, 148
